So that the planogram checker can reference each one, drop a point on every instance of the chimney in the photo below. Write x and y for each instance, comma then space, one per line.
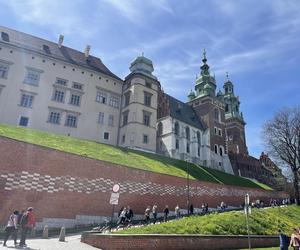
87, 51
60, 41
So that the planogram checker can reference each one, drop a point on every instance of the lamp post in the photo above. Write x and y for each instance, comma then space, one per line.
247, 212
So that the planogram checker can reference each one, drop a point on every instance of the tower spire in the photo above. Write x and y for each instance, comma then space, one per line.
227, 76
204, 59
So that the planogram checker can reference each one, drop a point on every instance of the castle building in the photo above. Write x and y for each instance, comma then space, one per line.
48, 86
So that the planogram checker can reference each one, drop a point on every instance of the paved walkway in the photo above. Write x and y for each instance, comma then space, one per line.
71, 243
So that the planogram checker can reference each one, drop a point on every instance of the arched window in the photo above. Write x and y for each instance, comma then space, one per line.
160, 128
198, 150
176, 128
226, 108
221, 151
188, 148
216, 149
187, 132
198, 138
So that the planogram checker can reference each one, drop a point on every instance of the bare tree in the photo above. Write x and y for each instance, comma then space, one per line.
282, 137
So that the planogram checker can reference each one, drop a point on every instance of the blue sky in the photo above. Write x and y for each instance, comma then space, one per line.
256, 41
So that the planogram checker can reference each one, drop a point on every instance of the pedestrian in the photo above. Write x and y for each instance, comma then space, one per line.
284, 240
129, 214
27, 224
295, 239
166, 213
177, 212
147, 214
191, 209
122, 216
154, 212
11, 227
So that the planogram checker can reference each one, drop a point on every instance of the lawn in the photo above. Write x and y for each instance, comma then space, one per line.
123, 156
261, 222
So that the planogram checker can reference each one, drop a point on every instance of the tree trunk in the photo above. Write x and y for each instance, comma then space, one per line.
296, 187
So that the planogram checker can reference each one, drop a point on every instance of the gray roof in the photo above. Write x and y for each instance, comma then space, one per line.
184, 112
51, 49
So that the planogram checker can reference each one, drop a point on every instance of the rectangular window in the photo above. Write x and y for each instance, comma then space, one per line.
146, 119
177, 144
145, 139
32, 77
125, 118
106, 136
3, 70
111, 120
220, 132
61, 81
77, 85
101, 118
26, 101
101, 97
75, 100
54, 117
71, 121
127, 98
24, 121
147, 99
114, 101
216, 131
59, 96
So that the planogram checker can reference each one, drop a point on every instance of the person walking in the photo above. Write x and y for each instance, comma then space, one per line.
27, 223
129, 214
191, 209
295, 239
166, 213
11, 227
154, 212
284, 240
147, 214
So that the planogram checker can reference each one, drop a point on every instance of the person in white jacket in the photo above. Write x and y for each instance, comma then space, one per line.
11, 227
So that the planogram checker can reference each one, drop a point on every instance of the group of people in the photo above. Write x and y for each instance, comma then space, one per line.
293, 241
25, 221
125, 215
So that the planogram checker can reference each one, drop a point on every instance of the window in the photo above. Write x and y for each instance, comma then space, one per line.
114, 101
123, 139
176, 128
77, 85
198, 150
148, 85
198, 138
106, 136
187, 133
24, 121
160, 128
125, 118
221, 151
146, 119
216, 131
217, 115
32, 77
226, 108
220, 132
54, 117
147, 99
145, 139
216, 149
111, 120
3, 70
101, 118
26, 101
71, 121
61, 81
177, 144
127, 98
188, 148
101, 97
75, 100
59, 96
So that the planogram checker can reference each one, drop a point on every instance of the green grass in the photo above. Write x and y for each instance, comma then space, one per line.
122, 156
261, 222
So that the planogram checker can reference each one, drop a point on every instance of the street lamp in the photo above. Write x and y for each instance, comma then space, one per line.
247, 212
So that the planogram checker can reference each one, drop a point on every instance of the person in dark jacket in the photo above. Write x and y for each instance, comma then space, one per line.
284, 240
27, 224
166, 213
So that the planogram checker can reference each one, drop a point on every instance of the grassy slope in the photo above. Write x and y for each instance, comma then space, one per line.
118, 155
261, 222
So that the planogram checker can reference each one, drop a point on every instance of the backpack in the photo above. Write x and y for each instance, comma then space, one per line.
24, 220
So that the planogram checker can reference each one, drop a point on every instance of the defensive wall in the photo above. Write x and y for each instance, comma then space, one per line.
67, 189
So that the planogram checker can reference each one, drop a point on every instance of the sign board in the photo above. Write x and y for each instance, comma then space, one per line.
114, 199
116, 188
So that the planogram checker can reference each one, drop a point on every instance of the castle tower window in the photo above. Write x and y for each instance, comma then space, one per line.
187, 133
125, 118
145, 139
146, 118
216, 149
217, 115
177, 144
127, 98
176, 128
221, 151
160, 129
147, 98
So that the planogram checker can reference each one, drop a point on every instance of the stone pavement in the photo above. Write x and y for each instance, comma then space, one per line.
71, 243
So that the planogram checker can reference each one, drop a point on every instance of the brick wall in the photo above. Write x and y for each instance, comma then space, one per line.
62, 185
176, 242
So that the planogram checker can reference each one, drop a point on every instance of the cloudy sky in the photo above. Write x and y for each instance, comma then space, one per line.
256, 41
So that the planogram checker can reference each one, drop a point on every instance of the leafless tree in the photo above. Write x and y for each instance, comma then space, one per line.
282, 138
